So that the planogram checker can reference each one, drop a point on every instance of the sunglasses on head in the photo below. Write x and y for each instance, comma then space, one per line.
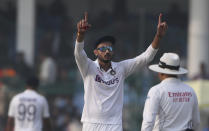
104, 48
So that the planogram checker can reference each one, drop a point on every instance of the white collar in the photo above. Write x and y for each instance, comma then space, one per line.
171, 79
113, 65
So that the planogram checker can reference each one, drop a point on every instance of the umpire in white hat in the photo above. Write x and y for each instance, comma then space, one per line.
171, 105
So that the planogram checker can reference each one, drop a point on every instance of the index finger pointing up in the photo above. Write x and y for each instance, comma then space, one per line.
160, 18
86, 16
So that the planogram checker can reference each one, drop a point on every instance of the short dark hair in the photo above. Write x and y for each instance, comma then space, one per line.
33, 82
110, 39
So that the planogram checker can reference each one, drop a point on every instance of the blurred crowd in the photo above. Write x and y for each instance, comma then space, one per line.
54, 59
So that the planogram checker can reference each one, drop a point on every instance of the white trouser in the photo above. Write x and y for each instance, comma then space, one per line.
101, 127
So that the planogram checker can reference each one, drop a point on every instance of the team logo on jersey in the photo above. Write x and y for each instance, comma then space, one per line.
112, 72
110, 82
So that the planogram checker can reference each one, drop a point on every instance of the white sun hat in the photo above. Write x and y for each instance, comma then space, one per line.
169, 64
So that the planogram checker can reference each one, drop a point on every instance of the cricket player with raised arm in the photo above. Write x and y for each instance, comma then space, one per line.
171, 105
28, 111
104, 79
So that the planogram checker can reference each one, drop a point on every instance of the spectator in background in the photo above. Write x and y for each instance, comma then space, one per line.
202, 72
46, 42
48, 69
21, 67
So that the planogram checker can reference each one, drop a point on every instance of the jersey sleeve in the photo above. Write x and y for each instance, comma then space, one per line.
11, 112
195, 113
81, 58
45, 109
131, 65
151, 110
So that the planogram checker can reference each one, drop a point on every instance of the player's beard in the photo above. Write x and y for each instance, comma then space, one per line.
105, 61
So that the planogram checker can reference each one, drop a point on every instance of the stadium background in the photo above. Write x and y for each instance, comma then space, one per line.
132, 22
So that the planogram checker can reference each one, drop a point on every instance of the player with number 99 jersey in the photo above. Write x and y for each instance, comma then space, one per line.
28, 111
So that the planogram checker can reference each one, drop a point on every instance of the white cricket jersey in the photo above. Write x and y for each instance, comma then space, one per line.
48, 71
103, 91
28, 109
171, 106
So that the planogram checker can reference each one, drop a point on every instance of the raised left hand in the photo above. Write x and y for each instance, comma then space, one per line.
161, 27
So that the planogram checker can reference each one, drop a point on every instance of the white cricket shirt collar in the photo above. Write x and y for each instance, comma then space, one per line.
170, 79
113, 65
